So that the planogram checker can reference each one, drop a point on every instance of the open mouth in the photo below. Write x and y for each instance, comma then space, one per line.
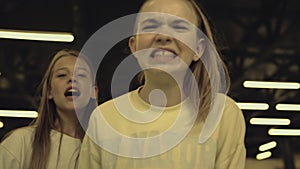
72, 92
163, 55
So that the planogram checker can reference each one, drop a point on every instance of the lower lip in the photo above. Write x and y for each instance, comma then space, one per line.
71, 97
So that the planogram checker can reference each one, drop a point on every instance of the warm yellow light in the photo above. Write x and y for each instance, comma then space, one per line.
253, 106
271, 85
1, 124
18, 113
284, 132
263, 155
267, 146
36, 35
288, 107
270, 121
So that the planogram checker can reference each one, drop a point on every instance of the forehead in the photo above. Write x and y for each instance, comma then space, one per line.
70, 61
179, 8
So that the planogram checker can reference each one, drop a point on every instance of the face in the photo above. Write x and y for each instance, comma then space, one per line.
68, 85
167, 37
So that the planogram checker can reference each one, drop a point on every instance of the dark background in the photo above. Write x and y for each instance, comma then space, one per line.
259, 40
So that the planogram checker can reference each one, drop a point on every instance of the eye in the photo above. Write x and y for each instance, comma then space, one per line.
61, 75
150, 27
82, 75
180, 28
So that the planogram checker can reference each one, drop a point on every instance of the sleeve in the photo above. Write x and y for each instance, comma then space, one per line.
89, 156
7, 159
90, 153
231, 145
12, 150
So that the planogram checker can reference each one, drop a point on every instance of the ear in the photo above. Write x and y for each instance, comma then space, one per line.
200, 49
95, 92
50, 95
132, 44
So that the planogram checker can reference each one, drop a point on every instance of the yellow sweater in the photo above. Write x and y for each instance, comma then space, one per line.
145, 137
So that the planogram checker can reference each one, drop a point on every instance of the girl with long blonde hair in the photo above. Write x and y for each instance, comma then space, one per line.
54, 138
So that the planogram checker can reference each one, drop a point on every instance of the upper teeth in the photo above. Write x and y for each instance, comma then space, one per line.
72, 90
163, 53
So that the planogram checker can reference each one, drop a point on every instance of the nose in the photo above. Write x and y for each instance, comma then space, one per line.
163, 39
72, 79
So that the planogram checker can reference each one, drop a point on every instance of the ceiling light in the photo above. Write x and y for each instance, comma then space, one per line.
263, 155
1, 124
18, 113
267, 146
271, 85
253, 106
36, 35
284, 132
269, 121
288, 107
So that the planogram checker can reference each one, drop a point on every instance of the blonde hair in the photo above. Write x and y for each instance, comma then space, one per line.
47, 117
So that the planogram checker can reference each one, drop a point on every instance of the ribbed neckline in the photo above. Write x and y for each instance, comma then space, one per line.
135, 98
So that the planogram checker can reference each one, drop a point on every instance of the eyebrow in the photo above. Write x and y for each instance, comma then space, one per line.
150, 21
62, 68
178, 21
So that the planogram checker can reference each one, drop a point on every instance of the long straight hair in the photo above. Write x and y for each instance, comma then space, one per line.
45, 122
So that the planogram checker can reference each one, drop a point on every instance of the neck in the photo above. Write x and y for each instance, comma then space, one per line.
68, 124
162, 90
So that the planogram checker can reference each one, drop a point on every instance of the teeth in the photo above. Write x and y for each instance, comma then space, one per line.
72, 90
163, 53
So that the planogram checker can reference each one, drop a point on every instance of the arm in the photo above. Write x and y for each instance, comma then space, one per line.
15, 149
231, 146
89, 156
7, 159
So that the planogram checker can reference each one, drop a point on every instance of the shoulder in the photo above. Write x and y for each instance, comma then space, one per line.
232, 113
23, 133
232, 122
113, 105
18, 143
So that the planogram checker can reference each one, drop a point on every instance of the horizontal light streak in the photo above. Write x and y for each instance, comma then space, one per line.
1, 124
284, 132
264, 155
267, 146
36, 35
253, 106
18, 113
270, 121
271, 85
288, 107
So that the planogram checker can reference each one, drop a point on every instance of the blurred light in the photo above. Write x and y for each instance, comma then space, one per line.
269, 121
284, 132
271, 85
267, 146
36, 35
1, 124
263, 155
18, 113
288, 107
253, 106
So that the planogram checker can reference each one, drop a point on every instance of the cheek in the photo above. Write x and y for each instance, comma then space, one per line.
144, 41
55, 89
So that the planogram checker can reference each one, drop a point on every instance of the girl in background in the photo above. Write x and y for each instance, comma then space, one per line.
53, 140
